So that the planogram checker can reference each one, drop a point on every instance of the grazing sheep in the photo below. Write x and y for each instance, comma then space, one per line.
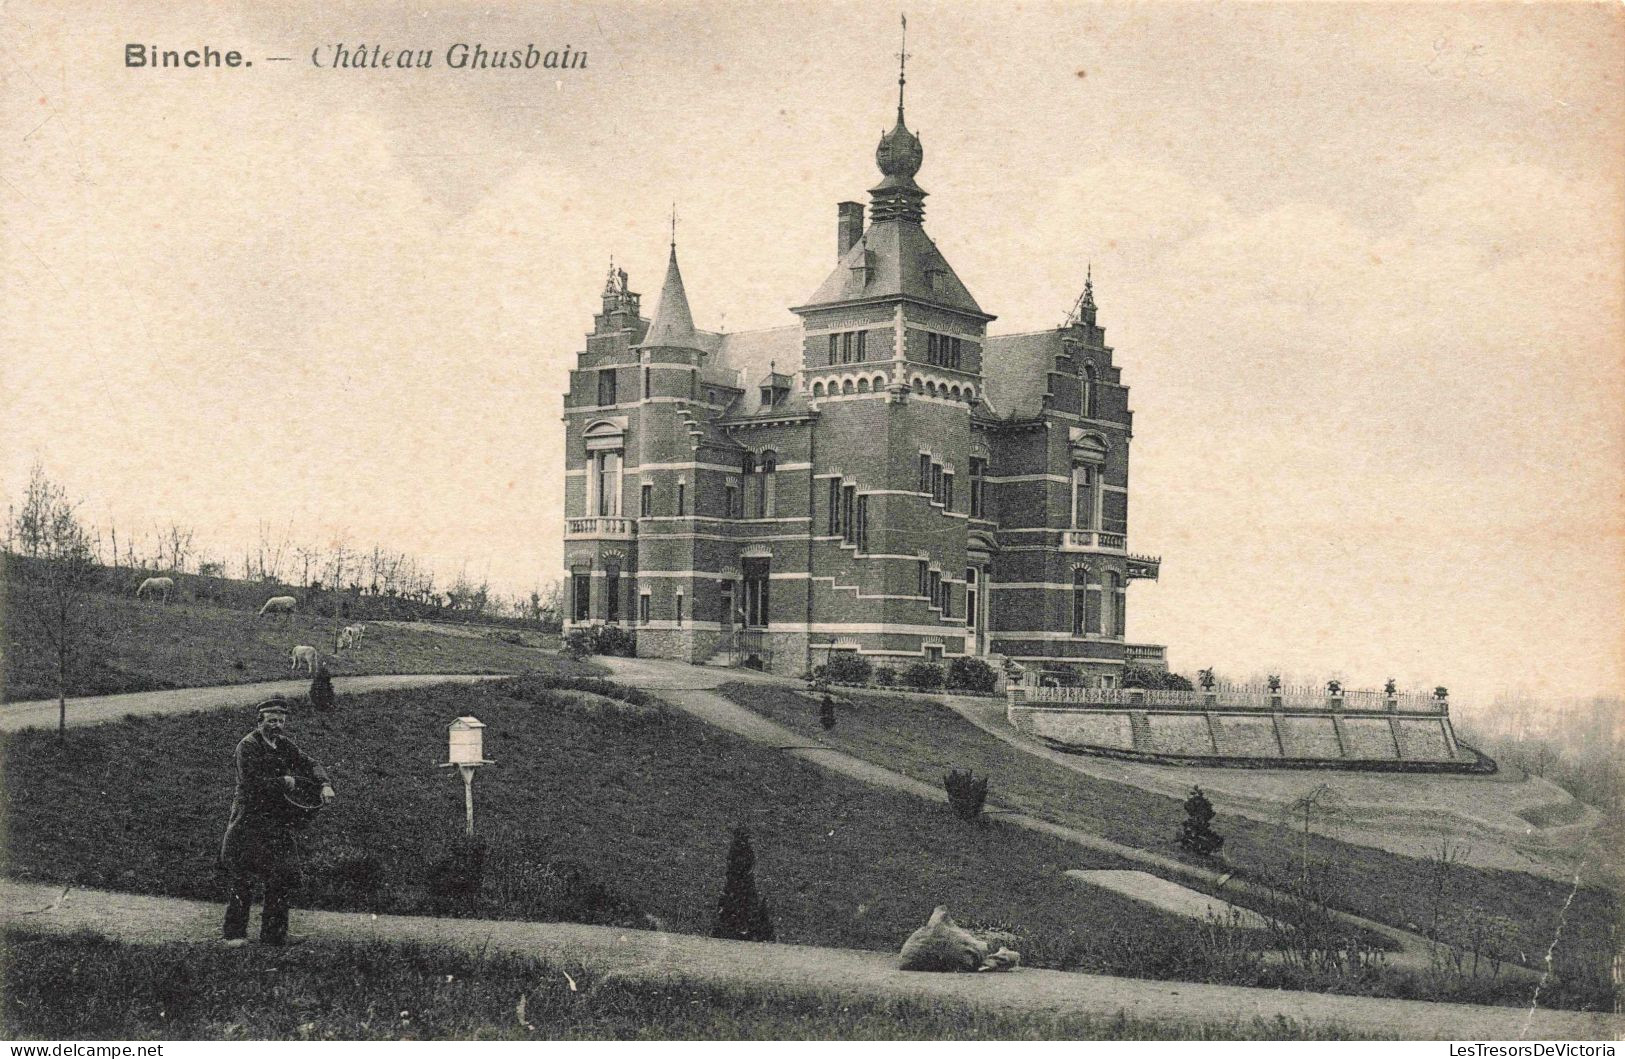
943, 945
279, 605
156, 584
306, 654
351, 636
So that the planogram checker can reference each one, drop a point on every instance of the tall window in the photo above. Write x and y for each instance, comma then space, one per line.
934, 591
1119, 605
1085, 490
606, 386
581, 592
606, 477
768, 473
978, 470
646, 500
678, 610
943, 350
948, 490
647, 389
925, 473
834, 349
1085, 603
1091, 392
682, 499
612, 593
849, 524
730, 498
863, 523
643, 609
834, 507
924, 577
756, 592
936, 482
970, 601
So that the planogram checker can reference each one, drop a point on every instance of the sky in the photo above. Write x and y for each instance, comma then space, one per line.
1363, 267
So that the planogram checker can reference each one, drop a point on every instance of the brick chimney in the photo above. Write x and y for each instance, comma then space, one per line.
848, 226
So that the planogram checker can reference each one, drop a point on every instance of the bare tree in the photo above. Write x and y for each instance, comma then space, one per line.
59, 603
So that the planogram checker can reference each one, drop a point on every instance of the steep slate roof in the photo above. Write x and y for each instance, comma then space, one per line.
673, 324
753, 354
1015, 372
900, 256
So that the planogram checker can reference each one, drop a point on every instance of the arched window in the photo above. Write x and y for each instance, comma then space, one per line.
919, 387
818, 389
863, 385
1091, 403
846, 386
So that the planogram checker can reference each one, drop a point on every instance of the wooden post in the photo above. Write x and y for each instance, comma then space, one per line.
468, 798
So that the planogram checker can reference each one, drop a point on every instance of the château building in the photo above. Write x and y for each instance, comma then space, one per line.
884, 476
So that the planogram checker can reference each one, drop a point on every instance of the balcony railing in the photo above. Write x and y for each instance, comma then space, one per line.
602, 526
1088, 540
1245, 697
1152, 655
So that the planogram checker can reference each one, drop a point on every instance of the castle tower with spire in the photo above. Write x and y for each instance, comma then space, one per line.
882, 478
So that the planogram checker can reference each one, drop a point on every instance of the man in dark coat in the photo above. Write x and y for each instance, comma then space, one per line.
261, 843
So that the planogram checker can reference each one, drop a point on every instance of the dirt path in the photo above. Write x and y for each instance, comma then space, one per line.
100, 709
655, 957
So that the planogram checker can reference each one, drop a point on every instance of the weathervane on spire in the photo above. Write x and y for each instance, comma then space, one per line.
902, 69
1086, 301
674, 227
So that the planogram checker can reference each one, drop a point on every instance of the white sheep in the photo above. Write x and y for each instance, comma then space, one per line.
279, 605
156, 585
306, 654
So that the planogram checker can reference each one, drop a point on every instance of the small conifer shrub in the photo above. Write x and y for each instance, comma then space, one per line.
321, 689
966, 793
742, 913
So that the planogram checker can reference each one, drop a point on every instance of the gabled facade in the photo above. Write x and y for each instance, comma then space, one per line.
883, 477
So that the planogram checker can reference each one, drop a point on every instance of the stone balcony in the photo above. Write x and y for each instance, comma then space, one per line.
1148, 655
1088, 540
601, 527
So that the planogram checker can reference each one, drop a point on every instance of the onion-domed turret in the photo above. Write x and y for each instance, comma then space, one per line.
899, 154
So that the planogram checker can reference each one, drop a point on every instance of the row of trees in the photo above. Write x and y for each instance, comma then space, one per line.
274, 557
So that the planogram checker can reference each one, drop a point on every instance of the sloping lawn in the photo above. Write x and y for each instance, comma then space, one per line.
924, 739
90, 988
134, 645
596, 809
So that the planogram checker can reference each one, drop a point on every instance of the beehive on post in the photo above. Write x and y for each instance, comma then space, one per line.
465, 749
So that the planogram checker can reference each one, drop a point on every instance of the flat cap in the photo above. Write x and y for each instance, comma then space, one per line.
274, 705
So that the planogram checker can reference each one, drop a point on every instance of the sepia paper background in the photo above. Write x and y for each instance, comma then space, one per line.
1361, 266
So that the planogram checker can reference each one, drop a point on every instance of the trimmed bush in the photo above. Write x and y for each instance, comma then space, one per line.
614, 640
1154, 679
970, 674
321, 689
923, 676
742, 912
966, 793
885, 676
848, 667
600, 640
